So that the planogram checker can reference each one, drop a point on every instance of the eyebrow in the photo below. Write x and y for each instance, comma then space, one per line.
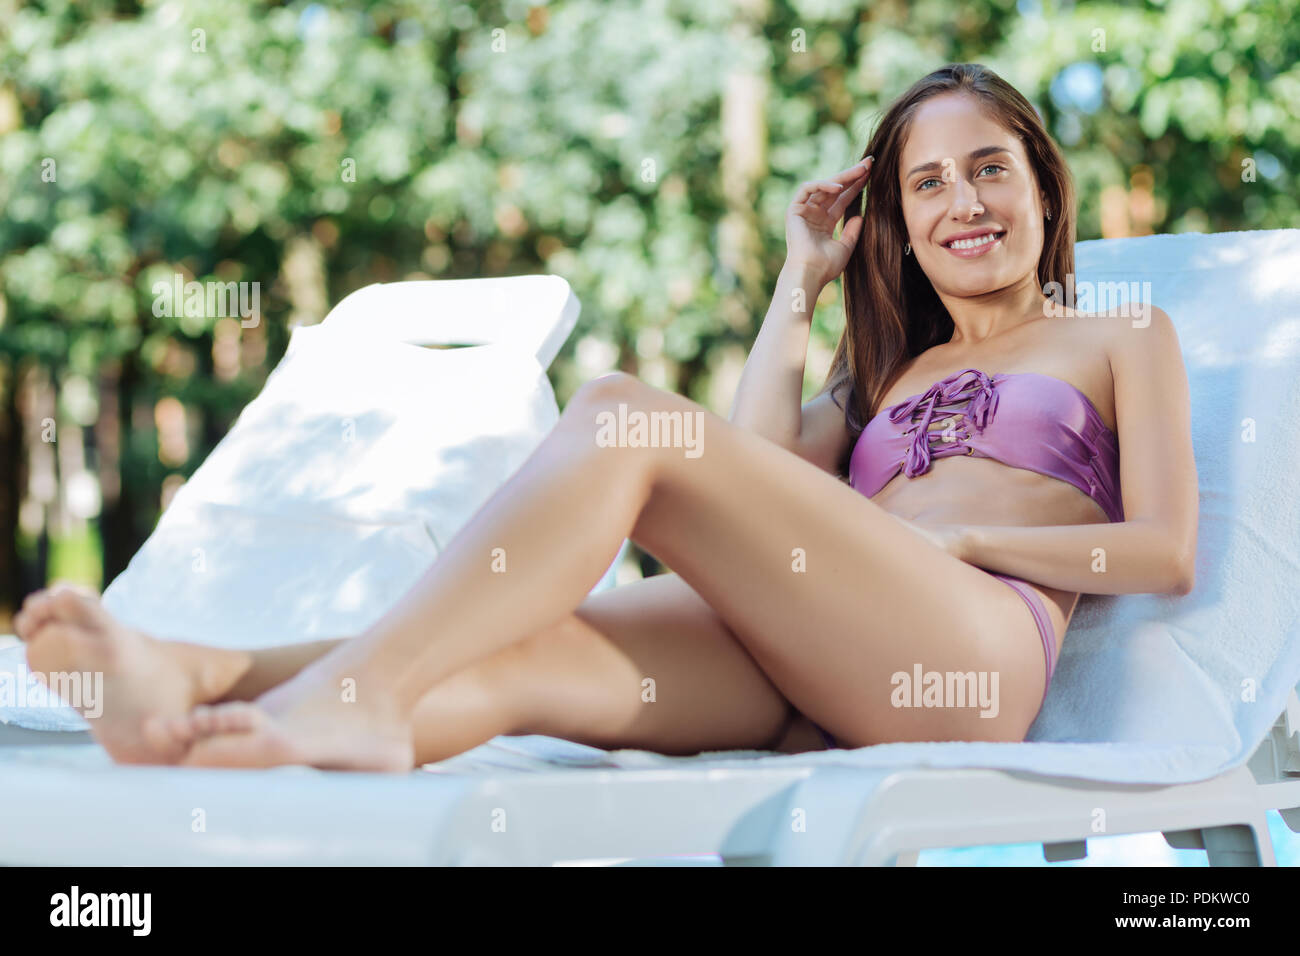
976, 154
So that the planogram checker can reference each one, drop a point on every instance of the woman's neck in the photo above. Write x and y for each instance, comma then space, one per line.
976, 319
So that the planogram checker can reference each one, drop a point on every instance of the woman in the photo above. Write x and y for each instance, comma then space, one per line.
980, 432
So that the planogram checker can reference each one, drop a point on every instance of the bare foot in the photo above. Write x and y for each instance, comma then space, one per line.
144, 680
304, 721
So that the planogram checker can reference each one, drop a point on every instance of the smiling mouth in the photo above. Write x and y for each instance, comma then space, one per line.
977, 243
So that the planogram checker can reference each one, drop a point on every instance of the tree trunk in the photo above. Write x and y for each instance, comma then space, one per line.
11, 484
744, 161
112, 436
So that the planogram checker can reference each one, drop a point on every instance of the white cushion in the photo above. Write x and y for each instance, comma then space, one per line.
532, 313
334, 490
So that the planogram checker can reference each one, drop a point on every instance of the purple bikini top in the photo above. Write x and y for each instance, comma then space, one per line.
1023, 419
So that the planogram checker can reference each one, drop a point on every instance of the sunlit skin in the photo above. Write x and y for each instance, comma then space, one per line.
955, 191
742, 649
998, 310
997, 306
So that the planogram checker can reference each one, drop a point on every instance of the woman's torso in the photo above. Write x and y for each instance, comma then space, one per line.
972, 490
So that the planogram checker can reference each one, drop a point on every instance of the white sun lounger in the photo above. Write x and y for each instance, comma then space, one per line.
1172, 715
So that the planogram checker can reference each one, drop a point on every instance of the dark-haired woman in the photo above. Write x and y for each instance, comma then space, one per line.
1003, 454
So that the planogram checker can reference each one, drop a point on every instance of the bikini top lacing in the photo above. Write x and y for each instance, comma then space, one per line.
1024, 420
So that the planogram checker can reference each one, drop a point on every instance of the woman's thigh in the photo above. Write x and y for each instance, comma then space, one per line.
648, 665
839, 604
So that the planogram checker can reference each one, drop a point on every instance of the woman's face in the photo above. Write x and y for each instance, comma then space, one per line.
961, 173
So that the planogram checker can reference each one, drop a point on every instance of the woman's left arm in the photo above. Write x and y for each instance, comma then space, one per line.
1153, 550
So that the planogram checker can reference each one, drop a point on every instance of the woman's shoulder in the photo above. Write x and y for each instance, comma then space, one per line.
1125, 328
1108, 323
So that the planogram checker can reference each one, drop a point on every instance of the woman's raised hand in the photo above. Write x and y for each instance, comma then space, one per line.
810, 222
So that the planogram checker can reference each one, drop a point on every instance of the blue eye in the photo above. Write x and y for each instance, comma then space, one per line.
921, 185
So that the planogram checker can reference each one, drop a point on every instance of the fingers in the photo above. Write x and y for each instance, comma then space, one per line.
842, 203
855, 171
814, 188
859, 175
849, 234
839, 190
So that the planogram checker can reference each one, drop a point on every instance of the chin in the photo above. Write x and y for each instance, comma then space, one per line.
970, 286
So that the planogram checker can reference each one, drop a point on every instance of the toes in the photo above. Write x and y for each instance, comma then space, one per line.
174, 734
233, 718
180, 729
73, 602
215, 752
48, 649
35, 612
59, 645
227, 736
169, 737
202, 720
240, 718
35, 599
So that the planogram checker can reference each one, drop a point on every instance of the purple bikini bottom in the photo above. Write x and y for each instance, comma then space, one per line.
1045, 631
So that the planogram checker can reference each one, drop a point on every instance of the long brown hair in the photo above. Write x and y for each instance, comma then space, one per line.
892, 311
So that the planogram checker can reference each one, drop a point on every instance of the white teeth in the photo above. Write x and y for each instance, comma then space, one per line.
983, 240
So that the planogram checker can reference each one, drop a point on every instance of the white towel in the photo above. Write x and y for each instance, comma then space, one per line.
1151, 688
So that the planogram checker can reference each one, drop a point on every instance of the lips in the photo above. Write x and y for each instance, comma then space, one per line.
985, 244
973, 239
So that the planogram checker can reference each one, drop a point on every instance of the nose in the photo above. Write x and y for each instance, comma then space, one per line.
965, 201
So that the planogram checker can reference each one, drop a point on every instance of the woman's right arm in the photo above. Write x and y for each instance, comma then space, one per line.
768, 397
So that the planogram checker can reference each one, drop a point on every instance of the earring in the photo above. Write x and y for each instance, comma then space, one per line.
1049, 214
907, 249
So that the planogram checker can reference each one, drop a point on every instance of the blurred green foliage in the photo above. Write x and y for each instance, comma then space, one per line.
585, 138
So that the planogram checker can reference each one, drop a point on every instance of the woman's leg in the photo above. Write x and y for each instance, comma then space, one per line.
829, 594
67, 630
72, 621
271, 666
583, 680
648, 666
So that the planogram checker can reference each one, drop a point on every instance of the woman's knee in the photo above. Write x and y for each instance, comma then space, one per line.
618, 411
597, 400
608, 391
